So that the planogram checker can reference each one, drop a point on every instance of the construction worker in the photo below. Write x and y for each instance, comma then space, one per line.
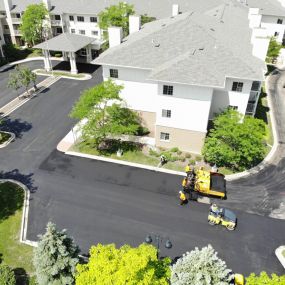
188, 168
215, 209
182, 197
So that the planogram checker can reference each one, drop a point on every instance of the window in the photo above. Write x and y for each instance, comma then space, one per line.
164, 136
167, 90
276, 34
255, 86
279, 21
94, 33
166, 113
71, 18
231, 107
72, 31
57, 17
114, 73
18, 15
6, 27
93, 19
82, 32
80, 18
59, 30
237, 86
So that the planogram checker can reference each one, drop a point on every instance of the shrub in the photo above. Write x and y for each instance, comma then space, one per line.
58, 55
198, 158
174, 149
182, 158
153, 153
7, 275
192, 161
179, 152
188, 155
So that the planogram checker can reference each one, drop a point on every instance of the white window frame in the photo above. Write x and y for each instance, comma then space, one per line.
82, 32
95, 33
72, 31
167, 90
164, 136
80, 18
239, 86
93, 18
71, 18
280, 21
165, 113
114, 73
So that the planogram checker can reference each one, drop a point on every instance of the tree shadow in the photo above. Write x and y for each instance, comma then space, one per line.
262, 110
17, 126
22, 277
26, 179
11, 200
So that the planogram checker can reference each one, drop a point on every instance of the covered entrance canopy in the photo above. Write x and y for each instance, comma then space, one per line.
68, 44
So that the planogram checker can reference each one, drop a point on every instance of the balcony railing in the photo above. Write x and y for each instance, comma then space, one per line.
55, 22
18, 32
250, 108
16, 20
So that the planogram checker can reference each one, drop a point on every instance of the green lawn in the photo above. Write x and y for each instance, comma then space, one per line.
4, 137
16, 255
59, 73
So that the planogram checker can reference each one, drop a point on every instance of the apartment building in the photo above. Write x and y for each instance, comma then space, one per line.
180, 71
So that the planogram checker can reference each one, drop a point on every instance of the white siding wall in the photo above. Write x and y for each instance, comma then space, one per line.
270, 23
222, 98
189, 105
137, 93
87, 26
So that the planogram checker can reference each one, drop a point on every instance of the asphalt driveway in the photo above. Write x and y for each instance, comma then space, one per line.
104, 202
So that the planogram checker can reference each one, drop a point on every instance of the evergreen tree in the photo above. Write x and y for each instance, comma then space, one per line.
7, 275
55, 258
200, 267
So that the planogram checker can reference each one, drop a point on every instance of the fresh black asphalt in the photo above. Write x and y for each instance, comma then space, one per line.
105, 202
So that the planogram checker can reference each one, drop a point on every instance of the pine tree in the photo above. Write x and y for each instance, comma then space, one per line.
55, 258
200, 267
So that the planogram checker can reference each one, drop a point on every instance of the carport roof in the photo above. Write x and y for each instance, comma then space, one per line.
66, 42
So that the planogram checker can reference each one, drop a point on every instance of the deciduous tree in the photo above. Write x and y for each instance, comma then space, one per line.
273, 49
235, 141
123, 266
14, 82
265, 279
116, 15
105, 116
7, 275
55, 258
33, 23
200, 267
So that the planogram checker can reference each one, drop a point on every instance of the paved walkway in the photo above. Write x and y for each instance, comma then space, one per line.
23, 98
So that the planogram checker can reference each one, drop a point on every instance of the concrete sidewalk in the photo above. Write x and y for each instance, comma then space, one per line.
23, 98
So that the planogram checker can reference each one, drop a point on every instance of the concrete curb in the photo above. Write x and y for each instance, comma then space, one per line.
86, 76
280, 256
4, 144
122, 162
25, 214
270, 155
8, 65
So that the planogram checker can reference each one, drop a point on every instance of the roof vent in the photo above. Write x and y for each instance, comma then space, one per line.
155, 43
212, 29
201, 48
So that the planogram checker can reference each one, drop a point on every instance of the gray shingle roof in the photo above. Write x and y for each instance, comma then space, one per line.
192, 48
158, 8
66, 42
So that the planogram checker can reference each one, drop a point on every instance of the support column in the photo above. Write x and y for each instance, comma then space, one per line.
73, 66
88, 54
47, 60
64, 55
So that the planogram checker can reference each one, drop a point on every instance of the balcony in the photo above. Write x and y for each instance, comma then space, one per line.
18, 33
16, 20
55, 22
250, 109
253, 96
